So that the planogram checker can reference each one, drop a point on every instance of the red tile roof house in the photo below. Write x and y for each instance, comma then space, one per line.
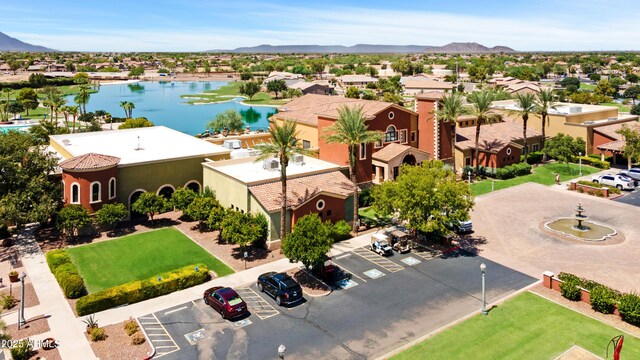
313, 186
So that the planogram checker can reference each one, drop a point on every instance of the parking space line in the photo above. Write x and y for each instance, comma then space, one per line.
175, 310
158, 334
425, 252
351, 272
257, 304
378, 260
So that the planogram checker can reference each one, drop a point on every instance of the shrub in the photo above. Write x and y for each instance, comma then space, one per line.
72, 285
8, 301
97, 334
581, 190
603, 299
22, 350
570, 290
629, 308
586, 160
66, 273
4, 231
533, 158
138, 339
140, 290
341, 230
56, 258
364, 198
131, 327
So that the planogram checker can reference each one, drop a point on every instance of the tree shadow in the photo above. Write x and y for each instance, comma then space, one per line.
253, 253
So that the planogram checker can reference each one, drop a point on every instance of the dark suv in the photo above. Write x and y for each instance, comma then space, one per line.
281, 287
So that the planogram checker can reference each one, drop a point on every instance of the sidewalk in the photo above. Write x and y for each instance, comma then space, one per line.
68, 330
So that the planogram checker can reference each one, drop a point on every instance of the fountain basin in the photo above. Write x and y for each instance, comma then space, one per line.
590, 231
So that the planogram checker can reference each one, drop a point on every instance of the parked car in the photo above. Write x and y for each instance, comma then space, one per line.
614, 180
225, 301
633, 172
280, 286
380, 244
462, 227
326, 271
629, 178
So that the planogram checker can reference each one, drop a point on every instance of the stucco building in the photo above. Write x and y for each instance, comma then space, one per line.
118, 166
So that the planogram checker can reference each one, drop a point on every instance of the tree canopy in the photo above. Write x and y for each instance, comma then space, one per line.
309, 241
564, 147
230, 120
427, 197
150, 203
249, 88
72, 218
140, 122
240, 229
110, 215
631, 148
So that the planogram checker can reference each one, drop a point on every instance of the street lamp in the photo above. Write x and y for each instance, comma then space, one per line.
281, 351
580, 160
21, 320
483, 268
469, 177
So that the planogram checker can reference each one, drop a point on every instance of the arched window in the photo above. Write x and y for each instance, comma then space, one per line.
95, 192
75, 193
112, 188
391, 134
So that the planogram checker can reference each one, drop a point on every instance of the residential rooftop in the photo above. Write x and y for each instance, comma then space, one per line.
135, 146
561, 108
252, 172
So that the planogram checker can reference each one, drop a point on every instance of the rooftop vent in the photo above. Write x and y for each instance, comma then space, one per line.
139, 147
271, 164
575, 109
232, 144
612, 119
66, 142
297, 159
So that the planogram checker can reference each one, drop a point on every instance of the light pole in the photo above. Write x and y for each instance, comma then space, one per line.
580, 161
483, 268
21, 320
281, 351
469, 176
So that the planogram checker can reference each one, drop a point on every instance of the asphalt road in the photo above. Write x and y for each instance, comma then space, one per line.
363, 321
631, 197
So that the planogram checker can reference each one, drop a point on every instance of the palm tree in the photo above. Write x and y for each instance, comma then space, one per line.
65, 113
481, 109
527, 104
544, 103
451, 108
128, 107
50, 94
351, 129
57, 103
73, 111
284, 144
82, 98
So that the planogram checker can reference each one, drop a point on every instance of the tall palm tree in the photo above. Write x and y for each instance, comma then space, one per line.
481, 109
73, 111
57, 103
82, 98
451, 108
544, 103
284, 144
50, 94
527, 104
128, 107
65, 113
351, 129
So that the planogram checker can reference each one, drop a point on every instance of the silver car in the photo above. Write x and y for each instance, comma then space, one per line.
621, 182
632, 173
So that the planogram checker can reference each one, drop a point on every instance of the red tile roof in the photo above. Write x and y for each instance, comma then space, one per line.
300, 190
90, 161
493, 137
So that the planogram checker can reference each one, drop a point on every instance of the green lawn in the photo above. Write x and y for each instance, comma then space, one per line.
621, 107
587, 87
140, 256
374, 218
525, 327
543, 174
230, 91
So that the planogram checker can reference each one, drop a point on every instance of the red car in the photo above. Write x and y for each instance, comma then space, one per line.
225, 301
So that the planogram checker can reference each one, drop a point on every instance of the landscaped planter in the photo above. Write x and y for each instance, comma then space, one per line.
591, 190
13, 277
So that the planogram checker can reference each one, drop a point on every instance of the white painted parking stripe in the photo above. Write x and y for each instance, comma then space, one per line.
157, 333
254, 300
378, 260
350, 272
342, 256
176, 310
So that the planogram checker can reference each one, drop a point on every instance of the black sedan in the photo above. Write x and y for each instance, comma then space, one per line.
280, 286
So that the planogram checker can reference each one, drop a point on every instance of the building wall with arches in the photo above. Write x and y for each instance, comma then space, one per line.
84, 180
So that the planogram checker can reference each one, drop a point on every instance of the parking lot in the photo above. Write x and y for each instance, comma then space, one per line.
630, 197
377, 304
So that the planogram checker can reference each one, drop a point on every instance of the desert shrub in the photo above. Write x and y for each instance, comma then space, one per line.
341, 230
570, 290
22, 350
131, 327
97, 334
136, 291
137, 339
603, 299
8, 301
629, 307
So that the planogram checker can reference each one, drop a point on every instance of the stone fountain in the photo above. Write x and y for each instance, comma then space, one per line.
579, 227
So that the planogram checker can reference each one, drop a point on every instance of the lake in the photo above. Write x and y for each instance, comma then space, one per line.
161, 103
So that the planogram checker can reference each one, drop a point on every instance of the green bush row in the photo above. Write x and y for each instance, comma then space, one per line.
140, 290
603, 298
533, 157
66, 273
339, 231
594, 162
512, 171
629, 308
59, 81
612, 189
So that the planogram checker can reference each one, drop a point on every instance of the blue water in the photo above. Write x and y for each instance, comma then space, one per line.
5, 128
161, 103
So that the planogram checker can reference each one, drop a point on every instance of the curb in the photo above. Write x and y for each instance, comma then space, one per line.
153, 348
453, 323
323, 283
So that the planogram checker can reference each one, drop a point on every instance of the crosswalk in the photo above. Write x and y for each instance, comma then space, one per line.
158, 335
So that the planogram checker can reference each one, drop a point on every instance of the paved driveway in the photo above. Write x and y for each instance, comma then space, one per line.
378, 306
630, 197
509, 223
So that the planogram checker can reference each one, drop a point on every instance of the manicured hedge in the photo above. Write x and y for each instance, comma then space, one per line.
603, 299
570, 290
66, 273
512, 171
140, 290
612, 189
533, 157
58, 81
586, 160
629, 308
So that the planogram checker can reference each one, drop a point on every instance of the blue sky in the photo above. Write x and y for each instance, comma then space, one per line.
190, 25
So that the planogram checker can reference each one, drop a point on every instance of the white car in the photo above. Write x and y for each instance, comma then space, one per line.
632, 173
614, 180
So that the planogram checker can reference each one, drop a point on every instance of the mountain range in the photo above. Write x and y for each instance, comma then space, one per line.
455, 47
7, 43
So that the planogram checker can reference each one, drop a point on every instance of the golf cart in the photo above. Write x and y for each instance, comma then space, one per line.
399, 240
380, 244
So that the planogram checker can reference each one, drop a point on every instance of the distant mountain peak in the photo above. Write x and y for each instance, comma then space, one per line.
7, 43
455, 47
